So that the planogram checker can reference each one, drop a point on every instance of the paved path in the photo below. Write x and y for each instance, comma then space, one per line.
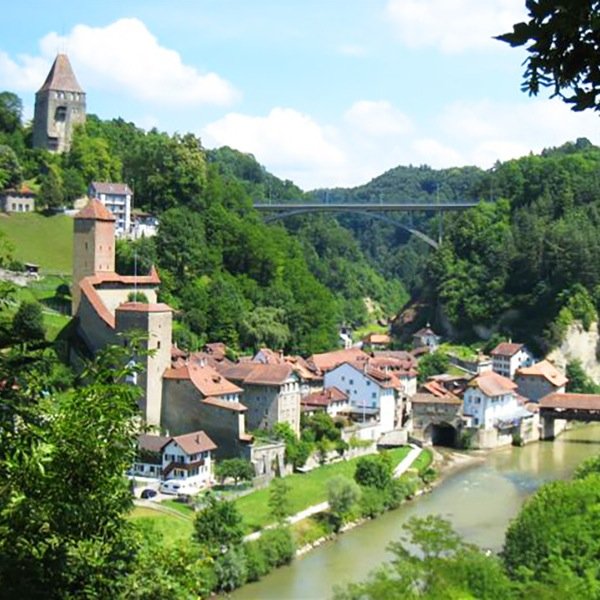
401, 468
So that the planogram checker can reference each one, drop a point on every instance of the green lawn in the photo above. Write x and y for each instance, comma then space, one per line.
306, 489
47, 241
171, 528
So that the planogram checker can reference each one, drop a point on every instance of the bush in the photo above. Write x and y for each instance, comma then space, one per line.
429, 475
397, 492
256, 562
373, 471
230, 569
277, 546
372, 502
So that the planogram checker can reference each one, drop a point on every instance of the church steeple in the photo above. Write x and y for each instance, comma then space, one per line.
59, 106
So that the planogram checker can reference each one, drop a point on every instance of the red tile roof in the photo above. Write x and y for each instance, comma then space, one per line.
329, 360
492, 384
546, 370
96, 211
61, 77
425, 398
571, 401
377, 338
144, 307
506, 349
208, 381
258, 373
195, 442
152, 443
226, 404
325, 398
437, 389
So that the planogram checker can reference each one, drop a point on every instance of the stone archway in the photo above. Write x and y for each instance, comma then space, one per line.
443, 434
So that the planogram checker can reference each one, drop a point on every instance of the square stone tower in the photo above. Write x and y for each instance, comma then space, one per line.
59, 106
93, 245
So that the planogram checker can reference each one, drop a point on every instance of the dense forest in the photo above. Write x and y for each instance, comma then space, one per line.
232, 277
524, 263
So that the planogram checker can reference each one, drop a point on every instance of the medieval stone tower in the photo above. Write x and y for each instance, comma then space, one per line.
93, 245
155, 322
59, 106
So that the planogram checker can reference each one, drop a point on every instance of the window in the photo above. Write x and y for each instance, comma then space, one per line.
61, 113
351, 381
374, 395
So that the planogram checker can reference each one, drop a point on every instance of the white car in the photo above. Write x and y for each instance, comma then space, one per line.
173, 486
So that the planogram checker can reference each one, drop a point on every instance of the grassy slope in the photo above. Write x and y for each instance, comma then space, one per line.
47, 241
306, 489
172, 529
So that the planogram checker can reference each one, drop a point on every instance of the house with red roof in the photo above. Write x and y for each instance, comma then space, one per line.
270, 391
507, 357
21, 199
330, 400
539, 380
492, 406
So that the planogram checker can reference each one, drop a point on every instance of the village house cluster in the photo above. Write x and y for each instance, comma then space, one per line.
202, 406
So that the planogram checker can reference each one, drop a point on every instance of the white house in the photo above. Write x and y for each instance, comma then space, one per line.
188, 458
148, 462
370, 392
426, 338
539, 380
491, 401
507, 357
117, 197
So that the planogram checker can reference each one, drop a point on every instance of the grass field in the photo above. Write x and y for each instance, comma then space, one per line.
46, 241
306, 489
172, 529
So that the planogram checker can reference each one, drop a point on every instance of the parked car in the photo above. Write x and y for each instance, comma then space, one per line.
170, 487
148, 493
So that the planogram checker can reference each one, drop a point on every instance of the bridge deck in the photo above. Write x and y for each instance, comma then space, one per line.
571, 407
363, 206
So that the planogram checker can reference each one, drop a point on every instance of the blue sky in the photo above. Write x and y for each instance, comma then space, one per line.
325, 93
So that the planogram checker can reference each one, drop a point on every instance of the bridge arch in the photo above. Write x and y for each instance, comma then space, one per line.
381, 217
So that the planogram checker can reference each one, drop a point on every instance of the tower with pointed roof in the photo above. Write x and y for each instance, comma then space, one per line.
93, 245
59, 106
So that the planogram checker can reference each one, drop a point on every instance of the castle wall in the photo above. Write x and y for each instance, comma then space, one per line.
94, 330
183, 412
157, 326
112, 297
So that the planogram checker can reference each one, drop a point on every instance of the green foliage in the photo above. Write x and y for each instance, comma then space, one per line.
64, 500
372, 502
432, 562
342, 495
590, 466
277, 546
579, 381
432, 364
10, 169
137, 297
11, 111
264, 326
238, 469
218, 525
279, 499
256, 562
230, 569
28, 324
556, 528
51, 188
373, 471
560, 39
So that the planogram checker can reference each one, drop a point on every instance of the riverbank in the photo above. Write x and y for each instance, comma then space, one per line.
479, 495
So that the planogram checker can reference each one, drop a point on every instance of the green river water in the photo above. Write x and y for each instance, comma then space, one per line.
479, 501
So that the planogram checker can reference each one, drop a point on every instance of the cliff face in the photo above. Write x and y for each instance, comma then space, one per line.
581, 345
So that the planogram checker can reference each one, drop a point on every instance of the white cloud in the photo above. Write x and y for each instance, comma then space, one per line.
434, 153
453, 25
126, 57
377, 118
291, 144
489, 131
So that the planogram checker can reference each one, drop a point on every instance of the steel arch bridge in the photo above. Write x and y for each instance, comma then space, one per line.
376, 210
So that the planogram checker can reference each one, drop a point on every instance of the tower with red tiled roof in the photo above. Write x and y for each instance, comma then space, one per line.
59, 106
93, 245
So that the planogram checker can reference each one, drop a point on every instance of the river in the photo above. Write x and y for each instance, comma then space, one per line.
479, 501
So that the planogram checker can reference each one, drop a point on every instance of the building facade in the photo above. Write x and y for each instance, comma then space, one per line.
118, 198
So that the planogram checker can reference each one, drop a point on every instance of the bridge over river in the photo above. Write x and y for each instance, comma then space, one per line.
379, 210
558, 408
